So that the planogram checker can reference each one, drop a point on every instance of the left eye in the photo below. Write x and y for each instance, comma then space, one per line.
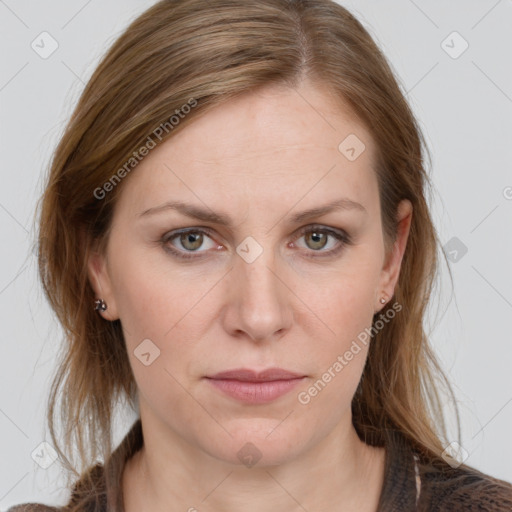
318, 238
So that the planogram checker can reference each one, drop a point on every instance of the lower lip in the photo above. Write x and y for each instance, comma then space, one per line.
255, 392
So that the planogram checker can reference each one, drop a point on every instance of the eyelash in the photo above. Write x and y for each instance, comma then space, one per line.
341, 236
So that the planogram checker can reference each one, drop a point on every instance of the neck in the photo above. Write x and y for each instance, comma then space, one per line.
168, 474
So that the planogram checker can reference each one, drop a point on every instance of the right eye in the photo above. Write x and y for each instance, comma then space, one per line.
190, 240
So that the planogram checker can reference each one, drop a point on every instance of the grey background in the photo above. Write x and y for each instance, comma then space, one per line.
464, 106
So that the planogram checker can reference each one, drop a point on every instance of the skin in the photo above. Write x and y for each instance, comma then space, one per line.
258, 159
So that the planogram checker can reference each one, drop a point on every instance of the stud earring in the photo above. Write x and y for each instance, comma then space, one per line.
383, 300
100, 305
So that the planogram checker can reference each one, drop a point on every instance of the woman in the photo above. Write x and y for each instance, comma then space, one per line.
236, 239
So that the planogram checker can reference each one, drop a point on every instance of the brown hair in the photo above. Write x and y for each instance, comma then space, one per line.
185, 50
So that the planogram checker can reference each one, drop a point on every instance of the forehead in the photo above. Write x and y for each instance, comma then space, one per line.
257, 147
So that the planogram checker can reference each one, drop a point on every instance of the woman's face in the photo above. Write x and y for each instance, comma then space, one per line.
257, 283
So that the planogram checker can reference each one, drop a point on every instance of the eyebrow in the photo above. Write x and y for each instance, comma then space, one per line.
207, 215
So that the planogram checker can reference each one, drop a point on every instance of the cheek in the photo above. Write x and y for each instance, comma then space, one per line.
344, 305
340, 358
158, 326
151, 298
162, 315
345, 308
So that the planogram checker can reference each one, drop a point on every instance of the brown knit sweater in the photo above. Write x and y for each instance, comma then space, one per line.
411, 484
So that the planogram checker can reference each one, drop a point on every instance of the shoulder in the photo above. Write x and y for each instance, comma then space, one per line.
474, 493
437, 486
32, 507
465, 488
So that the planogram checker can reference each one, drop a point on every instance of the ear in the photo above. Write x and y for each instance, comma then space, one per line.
391, 268
97, 269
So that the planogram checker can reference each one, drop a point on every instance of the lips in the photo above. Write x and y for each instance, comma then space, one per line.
244, 375
254, 387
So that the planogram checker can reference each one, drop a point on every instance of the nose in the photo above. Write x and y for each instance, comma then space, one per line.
259, 305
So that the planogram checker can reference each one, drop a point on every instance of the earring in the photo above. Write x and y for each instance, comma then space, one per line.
100, 305
383, 300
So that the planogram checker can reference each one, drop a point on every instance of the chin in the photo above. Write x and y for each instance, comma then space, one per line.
258, 443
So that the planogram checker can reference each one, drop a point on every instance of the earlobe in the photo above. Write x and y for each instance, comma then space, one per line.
99, 279
391, 269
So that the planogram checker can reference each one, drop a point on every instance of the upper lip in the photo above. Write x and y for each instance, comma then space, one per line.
267, 375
